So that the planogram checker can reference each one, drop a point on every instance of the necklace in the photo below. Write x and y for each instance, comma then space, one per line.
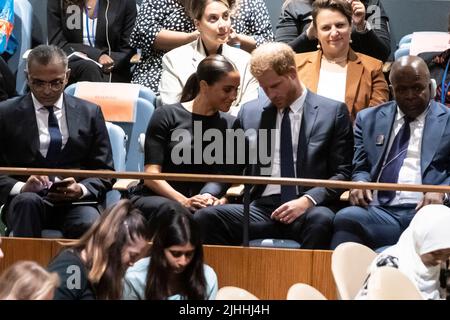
335, 61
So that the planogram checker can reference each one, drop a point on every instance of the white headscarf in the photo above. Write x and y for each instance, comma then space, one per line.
429, 231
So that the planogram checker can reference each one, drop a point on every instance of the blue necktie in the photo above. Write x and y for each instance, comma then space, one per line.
54, 148
394, 161
288, 193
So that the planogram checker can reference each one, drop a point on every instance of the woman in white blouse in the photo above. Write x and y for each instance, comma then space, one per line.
212, 19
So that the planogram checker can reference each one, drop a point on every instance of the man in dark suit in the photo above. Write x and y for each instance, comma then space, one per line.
48, 129
404, 141
312, 138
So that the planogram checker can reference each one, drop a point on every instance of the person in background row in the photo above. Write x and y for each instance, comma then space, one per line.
335, 71
27, 280
403, 141
370, 31
175, 268
419, 253
7, 82
212, 19
206, 99
97, 29
439, 65
163, 25
93, 266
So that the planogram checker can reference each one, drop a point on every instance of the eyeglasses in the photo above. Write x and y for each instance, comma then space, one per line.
54, 85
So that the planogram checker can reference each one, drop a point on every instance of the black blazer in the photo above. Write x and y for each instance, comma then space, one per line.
325, 147
88, 146
121, 18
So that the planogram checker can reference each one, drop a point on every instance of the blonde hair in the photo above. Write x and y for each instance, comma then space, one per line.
275, 56
27, 280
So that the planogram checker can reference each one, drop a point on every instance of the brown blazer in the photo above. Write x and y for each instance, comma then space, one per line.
366, 85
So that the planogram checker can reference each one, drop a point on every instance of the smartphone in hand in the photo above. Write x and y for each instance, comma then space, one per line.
58, 184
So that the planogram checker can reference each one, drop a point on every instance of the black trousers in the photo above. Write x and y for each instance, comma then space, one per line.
153, 207
223, 225
28, 214
84, 70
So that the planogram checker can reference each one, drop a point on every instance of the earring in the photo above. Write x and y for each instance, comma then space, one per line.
350, 41
318, 46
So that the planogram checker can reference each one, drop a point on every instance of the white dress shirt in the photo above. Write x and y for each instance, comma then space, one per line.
410, 172
89, 30
42, 123
44, 135
295, 115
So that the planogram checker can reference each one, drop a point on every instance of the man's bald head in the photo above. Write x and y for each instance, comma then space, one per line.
411, 86
413, 62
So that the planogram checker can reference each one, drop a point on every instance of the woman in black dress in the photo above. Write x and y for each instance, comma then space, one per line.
176, 140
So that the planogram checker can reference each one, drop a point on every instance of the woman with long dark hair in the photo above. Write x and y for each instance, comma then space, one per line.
171, 145
175, 268
93, 266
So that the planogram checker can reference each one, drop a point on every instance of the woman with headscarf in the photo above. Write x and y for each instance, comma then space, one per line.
420, 252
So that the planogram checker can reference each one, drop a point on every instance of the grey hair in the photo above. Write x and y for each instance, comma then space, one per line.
44, 54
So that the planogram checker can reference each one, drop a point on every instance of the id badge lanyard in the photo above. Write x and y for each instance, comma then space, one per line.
91, 35
444, 88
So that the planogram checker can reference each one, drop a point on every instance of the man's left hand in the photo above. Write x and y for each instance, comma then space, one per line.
70, 192
289, 211
430, 198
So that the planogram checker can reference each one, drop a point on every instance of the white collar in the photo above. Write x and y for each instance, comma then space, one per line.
38, 105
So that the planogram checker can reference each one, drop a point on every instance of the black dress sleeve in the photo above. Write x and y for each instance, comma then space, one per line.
157, 137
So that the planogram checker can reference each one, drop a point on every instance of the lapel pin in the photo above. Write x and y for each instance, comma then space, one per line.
379, 140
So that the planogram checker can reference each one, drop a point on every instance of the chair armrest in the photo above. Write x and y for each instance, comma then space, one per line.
125, 184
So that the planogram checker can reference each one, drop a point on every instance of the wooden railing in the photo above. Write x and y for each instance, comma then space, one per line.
250, 180
268, 273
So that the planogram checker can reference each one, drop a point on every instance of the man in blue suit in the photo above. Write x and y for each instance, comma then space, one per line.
404, 141
308, 136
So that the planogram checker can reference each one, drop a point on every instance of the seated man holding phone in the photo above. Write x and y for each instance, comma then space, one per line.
49, 129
